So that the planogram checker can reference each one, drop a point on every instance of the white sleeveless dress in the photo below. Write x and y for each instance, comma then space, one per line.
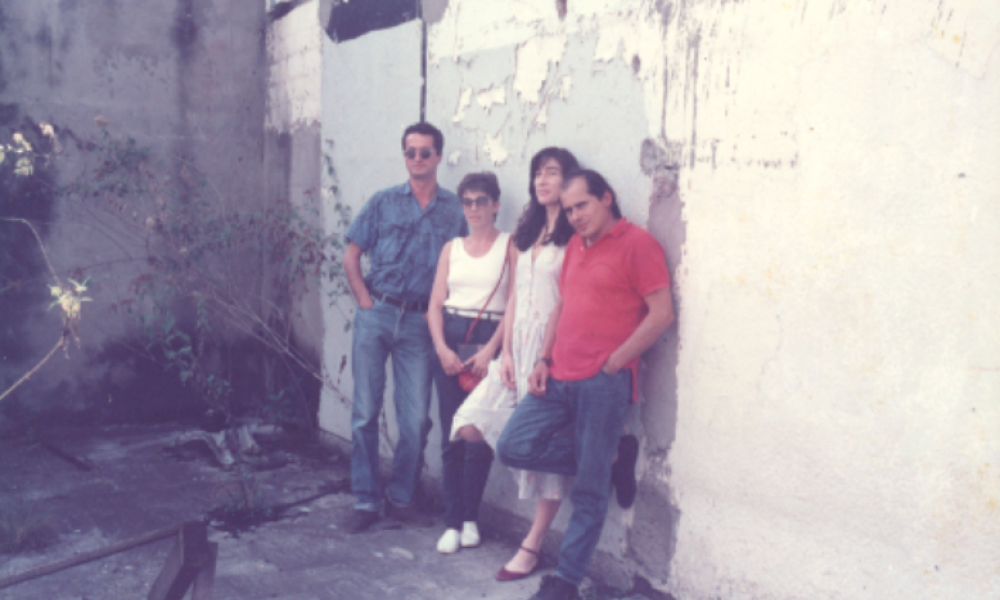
491, 404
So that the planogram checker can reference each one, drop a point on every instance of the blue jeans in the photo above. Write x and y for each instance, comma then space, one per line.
465, 465
380, 332
596, 409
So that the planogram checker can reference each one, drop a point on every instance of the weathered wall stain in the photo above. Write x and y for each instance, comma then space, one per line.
184, 36
653, 533
184, 31
693, 52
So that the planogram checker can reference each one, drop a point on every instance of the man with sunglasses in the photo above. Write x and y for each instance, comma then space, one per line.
403, 229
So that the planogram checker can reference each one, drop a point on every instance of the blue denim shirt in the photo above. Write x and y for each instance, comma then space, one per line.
403, 241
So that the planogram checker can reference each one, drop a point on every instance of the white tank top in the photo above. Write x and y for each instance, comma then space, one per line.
470, 280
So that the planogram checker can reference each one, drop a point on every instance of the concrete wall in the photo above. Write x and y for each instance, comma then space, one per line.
186, 80
823, 175
837, 379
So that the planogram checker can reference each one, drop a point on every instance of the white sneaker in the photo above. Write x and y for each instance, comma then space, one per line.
449, 542
470, 534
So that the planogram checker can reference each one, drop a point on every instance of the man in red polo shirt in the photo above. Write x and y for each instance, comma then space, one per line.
615, 304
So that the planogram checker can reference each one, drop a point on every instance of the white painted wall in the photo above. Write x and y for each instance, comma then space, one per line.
371, 93
829, 425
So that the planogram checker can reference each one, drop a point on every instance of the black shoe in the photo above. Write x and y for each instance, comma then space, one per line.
359, 521
556, 588
408, 515
623, 470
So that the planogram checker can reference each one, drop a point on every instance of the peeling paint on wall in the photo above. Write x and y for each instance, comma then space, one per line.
494, 95
533, 60
493, 147
565, 86
633, 33
464, 101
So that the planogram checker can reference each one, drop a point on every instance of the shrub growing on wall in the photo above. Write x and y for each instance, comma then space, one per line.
211, 299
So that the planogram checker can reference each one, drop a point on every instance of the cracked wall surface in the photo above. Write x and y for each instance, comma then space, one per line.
822, 174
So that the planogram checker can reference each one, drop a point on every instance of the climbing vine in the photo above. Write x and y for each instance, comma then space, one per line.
213, 290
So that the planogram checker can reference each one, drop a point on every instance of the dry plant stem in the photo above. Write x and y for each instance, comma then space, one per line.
265, 335
28, 375
45, 254
62, 340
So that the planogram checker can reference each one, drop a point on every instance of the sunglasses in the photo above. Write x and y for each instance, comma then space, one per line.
425, 153
479, 201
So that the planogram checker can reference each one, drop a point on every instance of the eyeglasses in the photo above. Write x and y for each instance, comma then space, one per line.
425, 153
479, 201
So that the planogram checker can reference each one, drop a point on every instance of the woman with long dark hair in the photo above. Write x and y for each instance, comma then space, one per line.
540, 240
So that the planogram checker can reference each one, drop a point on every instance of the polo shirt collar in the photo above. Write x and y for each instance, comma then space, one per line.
619, 227
616, 231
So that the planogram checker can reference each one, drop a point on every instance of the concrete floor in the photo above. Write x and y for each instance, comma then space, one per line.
142, 481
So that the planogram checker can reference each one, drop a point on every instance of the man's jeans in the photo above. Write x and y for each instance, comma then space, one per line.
596, 408
379, 332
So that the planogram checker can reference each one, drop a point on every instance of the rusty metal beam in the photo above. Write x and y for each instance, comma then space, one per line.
188, 557
153, 536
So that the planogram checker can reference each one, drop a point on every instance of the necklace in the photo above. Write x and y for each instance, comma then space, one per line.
545, 236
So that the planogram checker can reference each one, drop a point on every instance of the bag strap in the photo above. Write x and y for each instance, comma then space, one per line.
506, 259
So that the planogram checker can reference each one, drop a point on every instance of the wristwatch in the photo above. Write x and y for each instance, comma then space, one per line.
547, 361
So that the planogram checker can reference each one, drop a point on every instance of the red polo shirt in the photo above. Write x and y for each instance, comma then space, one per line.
604, 289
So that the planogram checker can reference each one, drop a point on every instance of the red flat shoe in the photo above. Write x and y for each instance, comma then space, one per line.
504, 575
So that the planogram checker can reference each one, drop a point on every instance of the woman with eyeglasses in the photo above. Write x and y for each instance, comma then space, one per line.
540, 240
466, 308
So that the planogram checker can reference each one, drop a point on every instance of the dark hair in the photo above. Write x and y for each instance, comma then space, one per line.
532, 221
485, 182
425, 128
596, 187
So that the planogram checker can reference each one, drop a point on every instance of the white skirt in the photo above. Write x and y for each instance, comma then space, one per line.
488, 408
